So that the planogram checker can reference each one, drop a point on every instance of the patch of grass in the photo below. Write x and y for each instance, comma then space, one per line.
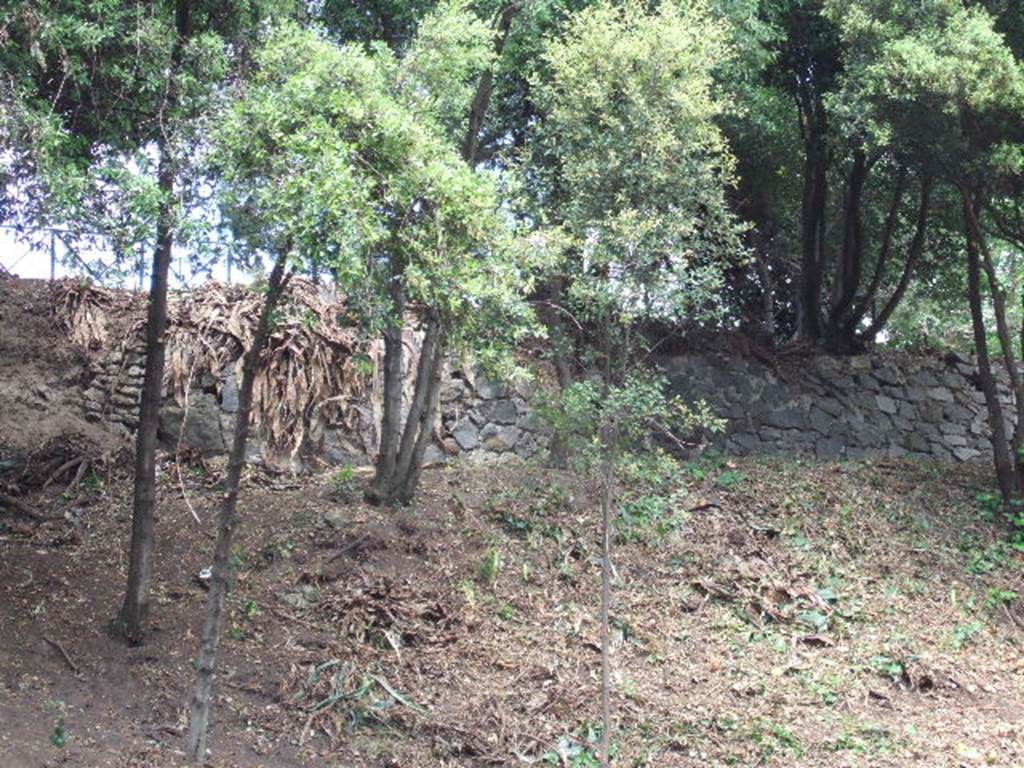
489, 568
998, 597
59, 737
889, 667
647, 518
775, 738
345, 484
579, 750
864, 740
964, 634
825, 688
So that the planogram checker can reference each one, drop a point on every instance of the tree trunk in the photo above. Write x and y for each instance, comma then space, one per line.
485, 88
402, 447
1006, 341
213, 620
885, 249
812, 221
129, 623
134, 610
394, 380
917, 246
607, 500
399, 485
849, 266
408, 477
1000, 447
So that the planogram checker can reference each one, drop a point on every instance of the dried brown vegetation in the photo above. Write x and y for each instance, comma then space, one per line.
796, 614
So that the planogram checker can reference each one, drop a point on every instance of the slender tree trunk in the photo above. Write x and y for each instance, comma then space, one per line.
767, 329
408, 480
849, 266
607, 501
1000, 446
134, 610
885, 249
429, 366
485, 88
1006, 341
213, 620
812, 222
917, 248
402, 447
394, 380
399, 485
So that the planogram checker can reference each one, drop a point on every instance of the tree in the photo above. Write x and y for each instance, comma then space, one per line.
472, 288
323, 164
213, 621
845, 175
943, 71
636, 169
100, 92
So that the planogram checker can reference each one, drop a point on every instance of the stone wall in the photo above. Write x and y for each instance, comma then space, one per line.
480, 421
880, 405
854, 407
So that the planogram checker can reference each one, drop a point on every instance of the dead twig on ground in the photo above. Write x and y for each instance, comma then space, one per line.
64, 654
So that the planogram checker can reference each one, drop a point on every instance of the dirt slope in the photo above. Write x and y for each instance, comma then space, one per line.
41, 373
786, 614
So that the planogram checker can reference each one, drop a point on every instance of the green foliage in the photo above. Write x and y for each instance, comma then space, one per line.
999, 597
345, 484
965, 633
633, 166
59, 737
94, 86
889, 667
579, 751
489, 568
638, 410
774, 738
646, 516
343, 158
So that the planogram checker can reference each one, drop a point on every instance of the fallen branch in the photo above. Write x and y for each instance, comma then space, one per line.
22, 509
63, 653
78, 461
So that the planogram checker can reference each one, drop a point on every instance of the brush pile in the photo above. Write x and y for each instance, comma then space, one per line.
315, 374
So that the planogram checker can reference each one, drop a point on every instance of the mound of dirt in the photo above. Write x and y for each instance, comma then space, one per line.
41, 373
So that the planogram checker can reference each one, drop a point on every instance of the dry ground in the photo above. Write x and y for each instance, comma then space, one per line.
774, 613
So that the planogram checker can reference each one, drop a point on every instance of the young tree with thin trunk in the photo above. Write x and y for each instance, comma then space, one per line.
103, 103
640, 180
213, 621
452, 61
321, 162
134, 610
198, 63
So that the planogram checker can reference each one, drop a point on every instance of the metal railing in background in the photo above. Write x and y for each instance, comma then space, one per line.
105, 267
20, 244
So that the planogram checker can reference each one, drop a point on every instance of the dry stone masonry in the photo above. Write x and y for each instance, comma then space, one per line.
481, 421
854, 407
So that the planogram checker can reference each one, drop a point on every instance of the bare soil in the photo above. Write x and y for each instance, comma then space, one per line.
40, 376
784, 614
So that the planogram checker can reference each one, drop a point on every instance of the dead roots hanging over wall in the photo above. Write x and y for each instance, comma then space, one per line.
315, 373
